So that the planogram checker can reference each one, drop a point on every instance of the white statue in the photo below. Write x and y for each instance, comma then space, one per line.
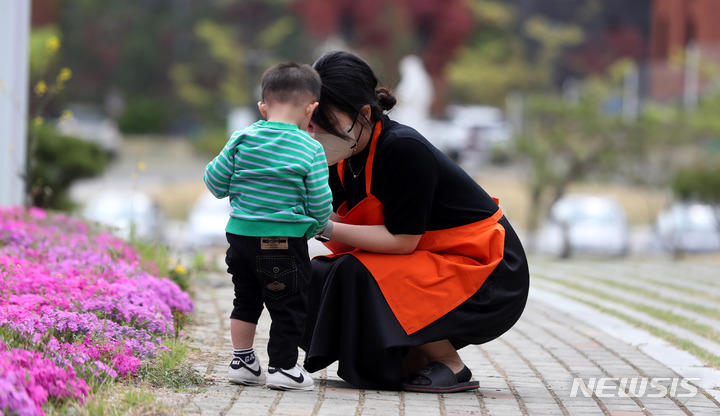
414, 93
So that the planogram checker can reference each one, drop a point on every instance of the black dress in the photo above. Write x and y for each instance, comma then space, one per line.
421, 190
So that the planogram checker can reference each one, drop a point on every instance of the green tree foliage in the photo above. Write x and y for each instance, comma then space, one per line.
553, 38
120, 44
144, 114
40, 61
177, 62
493, 61
667, 140
698, 183
568, 140
385, 30
59, 161
704, 118
53, 161
228, 59
698, 178
564, 142
124, 46
192, 61
496, 59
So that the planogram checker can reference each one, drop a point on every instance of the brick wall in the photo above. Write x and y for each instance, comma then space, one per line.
674, 23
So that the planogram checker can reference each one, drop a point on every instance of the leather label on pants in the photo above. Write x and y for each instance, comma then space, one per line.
273, 243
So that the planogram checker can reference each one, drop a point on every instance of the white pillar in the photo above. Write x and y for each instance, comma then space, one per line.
14, 33
515, 111
631, 94
691, 80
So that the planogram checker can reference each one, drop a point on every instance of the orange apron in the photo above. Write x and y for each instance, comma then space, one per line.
447, 267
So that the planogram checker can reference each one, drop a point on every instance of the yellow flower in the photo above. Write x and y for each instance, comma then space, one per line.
66, 115
41, 88
38, 120
134, 176
180, 269
142, 166
52, 44
64, 75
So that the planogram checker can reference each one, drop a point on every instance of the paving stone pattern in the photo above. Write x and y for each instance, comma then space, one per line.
528, 371
682, 298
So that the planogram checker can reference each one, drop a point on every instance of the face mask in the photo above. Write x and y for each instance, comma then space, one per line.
336, 148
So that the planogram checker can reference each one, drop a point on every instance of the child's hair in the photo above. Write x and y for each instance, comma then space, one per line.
290, 82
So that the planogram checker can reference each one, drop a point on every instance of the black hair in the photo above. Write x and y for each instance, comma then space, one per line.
348, 84
290, 82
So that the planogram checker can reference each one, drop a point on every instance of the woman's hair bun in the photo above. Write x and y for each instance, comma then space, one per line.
385, 98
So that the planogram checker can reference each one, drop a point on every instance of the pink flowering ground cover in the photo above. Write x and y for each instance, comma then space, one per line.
76, 308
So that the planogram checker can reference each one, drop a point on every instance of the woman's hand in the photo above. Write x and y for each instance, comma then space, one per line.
374, 238
336, 246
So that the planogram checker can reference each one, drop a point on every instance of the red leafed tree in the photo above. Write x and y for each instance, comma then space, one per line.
390, 29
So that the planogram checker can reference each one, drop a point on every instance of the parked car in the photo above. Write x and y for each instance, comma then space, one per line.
470, 132
688, 227
129, 215
580, 223
206, 222
446, 136
481, 123
89, 123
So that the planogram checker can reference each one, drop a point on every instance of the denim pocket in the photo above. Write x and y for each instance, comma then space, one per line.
278, 275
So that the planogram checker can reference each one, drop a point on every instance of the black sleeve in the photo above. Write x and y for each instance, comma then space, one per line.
408, 184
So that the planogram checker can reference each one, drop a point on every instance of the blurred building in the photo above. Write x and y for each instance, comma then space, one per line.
677, 25
653, 33
612, 29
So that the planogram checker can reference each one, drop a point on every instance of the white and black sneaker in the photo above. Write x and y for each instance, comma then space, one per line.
295, 378
246, 374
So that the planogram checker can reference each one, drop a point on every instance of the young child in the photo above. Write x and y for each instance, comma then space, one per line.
276, 177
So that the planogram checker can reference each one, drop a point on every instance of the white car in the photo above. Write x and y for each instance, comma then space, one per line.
128, 215
579, 223
688, 227
481, 123
470, 132
207, 220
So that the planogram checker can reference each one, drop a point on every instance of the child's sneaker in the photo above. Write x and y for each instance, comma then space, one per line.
247, 375
295, 378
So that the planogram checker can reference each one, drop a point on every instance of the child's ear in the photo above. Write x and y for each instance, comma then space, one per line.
310, 108
263, 108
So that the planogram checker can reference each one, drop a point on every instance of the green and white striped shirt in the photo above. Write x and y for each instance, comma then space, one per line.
276, 176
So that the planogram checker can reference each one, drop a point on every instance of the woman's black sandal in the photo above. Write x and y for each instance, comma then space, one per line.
439, 378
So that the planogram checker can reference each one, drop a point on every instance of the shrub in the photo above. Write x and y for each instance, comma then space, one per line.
59, 161
211, 141
700, 182
145, 115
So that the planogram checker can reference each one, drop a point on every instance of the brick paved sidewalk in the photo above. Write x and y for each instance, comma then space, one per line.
534, 369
